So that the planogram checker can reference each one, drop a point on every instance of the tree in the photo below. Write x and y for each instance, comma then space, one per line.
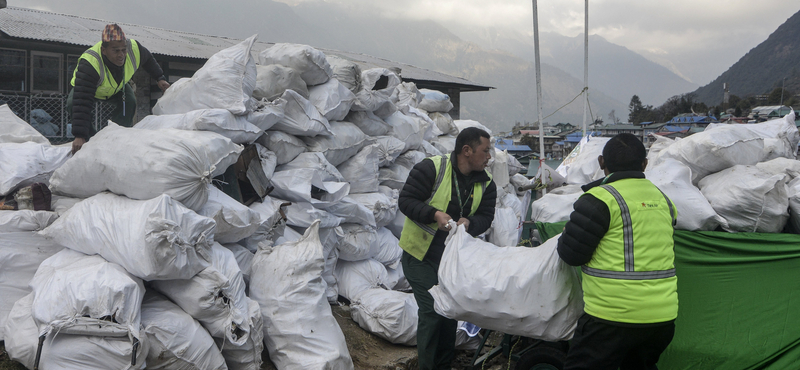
531, 141
639, 112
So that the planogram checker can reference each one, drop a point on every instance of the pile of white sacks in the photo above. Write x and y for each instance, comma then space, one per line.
145, 263
740, 177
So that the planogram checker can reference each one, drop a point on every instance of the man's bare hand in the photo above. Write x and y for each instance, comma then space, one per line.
163, 85
77, 144
463, 221
441, 219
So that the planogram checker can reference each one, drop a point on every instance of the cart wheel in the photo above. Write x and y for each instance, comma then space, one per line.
542, 358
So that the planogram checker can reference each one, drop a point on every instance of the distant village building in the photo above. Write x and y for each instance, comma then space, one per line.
768, 112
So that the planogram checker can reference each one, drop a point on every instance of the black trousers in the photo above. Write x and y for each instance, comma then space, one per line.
598, 345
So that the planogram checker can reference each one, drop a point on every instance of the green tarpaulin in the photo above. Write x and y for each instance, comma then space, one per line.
739, 300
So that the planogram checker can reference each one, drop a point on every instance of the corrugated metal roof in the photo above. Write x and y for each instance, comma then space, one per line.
70, 29
506, 144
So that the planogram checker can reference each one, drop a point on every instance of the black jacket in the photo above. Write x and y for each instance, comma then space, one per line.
86, 78
588, 222
418, 188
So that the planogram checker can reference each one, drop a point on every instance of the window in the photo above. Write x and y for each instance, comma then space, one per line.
72, 63
12, 70
46, 72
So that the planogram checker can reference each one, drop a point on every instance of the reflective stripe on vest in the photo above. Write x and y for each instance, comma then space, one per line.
627, 239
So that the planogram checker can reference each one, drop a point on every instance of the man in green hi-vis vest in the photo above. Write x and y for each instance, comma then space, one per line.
620, 233
439, 189
103, 72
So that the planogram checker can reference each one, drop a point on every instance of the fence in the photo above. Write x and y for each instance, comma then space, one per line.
48, 113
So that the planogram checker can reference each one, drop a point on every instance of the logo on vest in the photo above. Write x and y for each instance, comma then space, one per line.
649, 205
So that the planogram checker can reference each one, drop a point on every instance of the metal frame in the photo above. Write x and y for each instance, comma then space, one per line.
60, 74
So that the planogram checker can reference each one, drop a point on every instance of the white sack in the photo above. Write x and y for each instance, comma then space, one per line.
272, 80
214, 296
531, 292
221, 121
307, 185
332, 98
347, 72
397, 276
21, 253
429, 149
777, 166
409, 159
346, 140
352, 211
377, 86
317, 162
302, 214
517, 181
357, 243
299, 329
388, 249
581, 167
498, 166
331, 238
286, 147
389, 314
464, 123
26, 220
226, 81
301, 118
406, 94
429, 129
244, 258
78, 352
445, 143
73, 290
556, 205
22, 164
435, 101
750, 200
725, 146
177, 341
248, 355
675, 180
310, 62
143, 164
61, 204
389, 148
368, 122
155, 239
14, 130
406, 129
661, 143
444, 122
505, 227
235, 221
396, 224
361, 170
272, 224
267, 113
21, 346
356, 277
793, 191
382, 206
394, 176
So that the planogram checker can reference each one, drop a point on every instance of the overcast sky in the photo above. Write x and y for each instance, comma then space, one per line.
699, 39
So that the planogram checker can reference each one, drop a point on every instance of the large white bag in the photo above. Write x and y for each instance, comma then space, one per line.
361, 170
435, 101
267, 113
248, 355
388, 249
272, 224
389, 148
377, 86
21, 253
299, 329
22, 164
226, 81
505, 227
406, 129
303, 214
382, 206
394, 176
406, 94
444, 122
311, 63
221, 121
346, 140
786, 166
724, 146
581, 166
21, 346
25, 220
352, 211
76, 293
301, 118
749, 199
332, 98
348, 73
235, 221
272, 80
368, 122
675, 180
356, 277
315, 161
286, 147
464, 123
358, 243
556, 205
307, 185
445, 143
155, 239
177, 341
143, 164
531, 292
14, 130
214, 296
389, 314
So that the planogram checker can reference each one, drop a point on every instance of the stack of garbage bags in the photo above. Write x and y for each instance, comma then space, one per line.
144, 263
730, 177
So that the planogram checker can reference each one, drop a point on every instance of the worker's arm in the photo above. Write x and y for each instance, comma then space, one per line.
587, 224
416, 191
153, 69
86, 79
484, 215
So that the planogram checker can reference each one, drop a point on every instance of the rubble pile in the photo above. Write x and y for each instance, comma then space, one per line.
143, 260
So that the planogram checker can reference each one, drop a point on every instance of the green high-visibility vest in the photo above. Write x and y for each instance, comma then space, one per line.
631, 276
416, 237
106, 86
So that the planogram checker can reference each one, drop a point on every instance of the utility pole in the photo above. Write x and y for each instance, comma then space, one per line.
783, 84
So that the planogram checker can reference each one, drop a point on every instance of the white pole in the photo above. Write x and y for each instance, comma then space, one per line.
538, 85
585, 65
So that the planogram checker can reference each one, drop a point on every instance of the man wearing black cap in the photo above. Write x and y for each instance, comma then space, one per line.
103, 73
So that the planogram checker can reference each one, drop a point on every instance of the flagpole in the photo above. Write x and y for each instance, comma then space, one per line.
585, 64
538, 86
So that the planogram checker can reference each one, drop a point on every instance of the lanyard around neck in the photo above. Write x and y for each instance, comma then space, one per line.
461, 203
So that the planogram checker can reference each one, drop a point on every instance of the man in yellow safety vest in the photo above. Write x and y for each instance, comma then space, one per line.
439, 189
103, 72
620, 233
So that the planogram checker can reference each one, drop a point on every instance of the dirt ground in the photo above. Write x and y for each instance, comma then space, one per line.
368, 351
